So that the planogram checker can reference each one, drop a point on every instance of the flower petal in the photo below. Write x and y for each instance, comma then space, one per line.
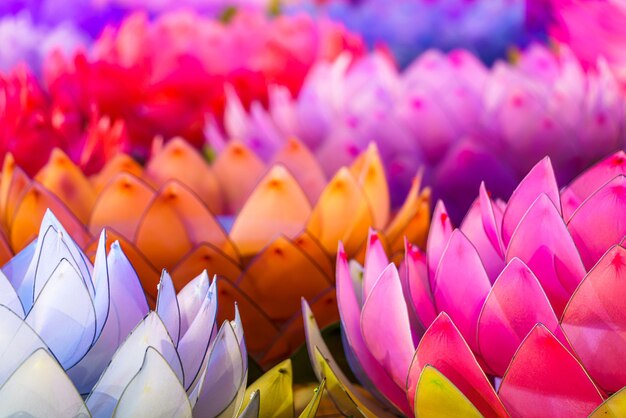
596, 224
506, 318
541, 369
275, 389
539, 180
443, 348
461, 285
154, 391
438, 237
596, 317
542, 241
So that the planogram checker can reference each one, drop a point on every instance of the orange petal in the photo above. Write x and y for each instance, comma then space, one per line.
260, 331
120, 205
342, 214
5, 250
368, 170
412, 220
292, 333
180, 161
279, 276
29, 213
238, 170
297, 158
205, 257
65, 180
312, 247
147, 273
13, 183
277, 206
121, 163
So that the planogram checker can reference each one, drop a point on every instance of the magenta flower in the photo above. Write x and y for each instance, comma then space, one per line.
462, 122
520, 309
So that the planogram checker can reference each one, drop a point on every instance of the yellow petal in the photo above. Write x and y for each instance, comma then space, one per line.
275, 388
238, 170
436, 396
178, 160
342, 214
277, 206
66, 181
368, 170
614, 407
311, 409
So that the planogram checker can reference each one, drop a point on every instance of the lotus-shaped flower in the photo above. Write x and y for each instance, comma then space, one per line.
105, 344
462, 122
486, 27
282, 224
519, 311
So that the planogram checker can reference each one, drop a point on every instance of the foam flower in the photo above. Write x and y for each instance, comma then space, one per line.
505, 315
112, 350
592, 29
487, 28
448, 113
260, 227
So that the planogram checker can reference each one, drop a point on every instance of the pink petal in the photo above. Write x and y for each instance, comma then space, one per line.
598, 223
539, 180
440, 231
461, 285
590, 181
415, 273
595, 320
443, 347
386, 328
542, 242
350, 313
546, 380
474, 228
376, 261
515, 304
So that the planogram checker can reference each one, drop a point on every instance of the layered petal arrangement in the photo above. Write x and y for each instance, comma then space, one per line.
123, 359
409, 27
157, 78
448, 113
518, 312
268, 231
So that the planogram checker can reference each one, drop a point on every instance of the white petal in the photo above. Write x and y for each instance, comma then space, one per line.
254, 406
128, 306
128, 360
167, 306
17, 341
190, 299
155, 391
8, 297
64, 304
224, 377
101, 284
16, 268
40, 388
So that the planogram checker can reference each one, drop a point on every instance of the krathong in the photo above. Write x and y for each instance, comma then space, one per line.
518, 311
488, 28
122, 358
461, 121
268, 230
157, 78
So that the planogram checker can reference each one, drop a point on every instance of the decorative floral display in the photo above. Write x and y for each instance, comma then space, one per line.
505, 315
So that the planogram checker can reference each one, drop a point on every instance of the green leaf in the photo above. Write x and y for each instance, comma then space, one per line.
276, 392
311, 409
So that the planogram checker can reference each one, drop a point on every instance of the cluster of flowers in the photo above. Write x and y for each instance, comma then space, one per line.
114, 356
518, 312
268, 230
